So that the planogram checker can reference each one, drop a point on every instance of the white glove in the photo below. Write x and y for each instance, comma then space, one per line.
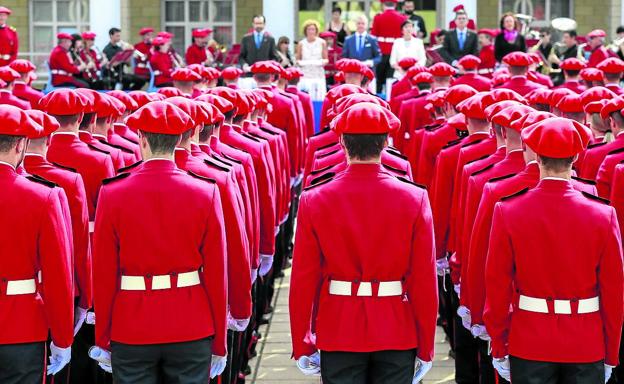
442, 265
608, 371
368, 63
90, 318
238, 325
266, 262
503, 367
254, 275
103, 357
80, 315
480, 332
59, 358
464, 313
421, 369
457, 289
310, 365
217, 365
246, 68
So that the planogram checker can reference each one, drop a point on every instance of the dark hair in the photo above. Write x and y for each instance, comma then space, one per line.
257, 16
390, 4
238, 119
282, 40
101, 120
229, 114
161, 143
618, 119
294, 81
263, 77
557, 165
461, 12
620, 29
113, 30
65, 120
504, 16
337, 9
8, 142
204, 134
86, 120
364, 147
572, 33
186, 134
612, 76
407, 21
518, 71
423, 86
571, 72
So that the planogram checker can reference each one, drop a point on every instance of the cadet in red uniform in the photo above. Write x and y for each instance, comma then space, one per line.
21, 86
160, 318
519, 63
162, 62
145, 47
9, 76
37, 287
361, 287
486, 52
386, 28
566, 291
293, 76
9, 41
612, 69
470, 64
62, 66
198, 53
230, 76
572, 68
592, 77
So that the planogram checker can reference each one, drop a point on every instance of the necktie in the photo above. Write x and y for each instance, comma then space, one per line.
360, 44
258, 40
461, 41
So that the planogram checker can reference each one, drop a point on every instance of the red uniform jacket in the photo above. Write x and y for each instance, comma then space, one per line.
67, 150
526, 256
141, 63
415, 118
488, 60
72, 184
617, 194
62, 66
9, 45
573, 85
387, 27
597, 56
604, 179
308, 108
595, 156
33, 239
282, 151
195, 54
162, 66
432, 143
400, 87
301, 134
284, 116
136, 235
478, 82
27, 93
337, 239
521, 85
126, 133
396, 101
114, 153
128, 146
540, 78
6, 97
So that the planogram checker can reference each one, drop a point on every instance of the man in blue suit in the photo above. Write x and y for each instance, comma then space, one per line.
362, 46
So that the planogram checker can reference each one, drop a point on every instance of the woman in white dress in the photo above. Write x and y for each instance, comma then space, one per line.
311, 57
407, 46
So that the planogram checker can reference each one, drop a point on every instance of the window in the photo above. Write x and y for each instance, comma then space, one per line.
542, 11
181, 17
50, 17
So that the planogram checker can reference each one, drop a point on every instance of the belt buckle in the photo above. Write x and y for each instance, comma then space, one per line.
355, 287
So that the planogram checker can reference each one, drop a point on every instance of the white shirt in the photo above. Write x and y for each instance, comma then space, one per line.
402, 48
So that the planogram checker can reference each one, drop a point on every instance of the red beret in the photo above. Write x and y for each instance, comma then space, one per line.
572, 64
595, 106
64, 35
558, 94
192, 108
64, 101
415, 70
539, 96
211, 73
501, 94
350, 66
458, 122
341, 91
160, 117
597, 93
368, 73
489, 32
616, 104
159, 40
8, 75
596, 33
518, 59
469, 62
231, 73
328, 35
214, 116
557, 137
92, 96
365, 118
530, 119
263, 98
223, 104
458, 93
5, 10
120, 106
472, 108
611, 65
165, 35
267, 66
493, 109
592, 74
407, 62
350, 100
422, 77
185, 74
145, 30
88, 35
436, 99
47, 123
508, 115
109, 106
389, 1
441, 70
458, 7
571, 104
22, 66
201, 32
535, 57
170, 91
15, 122
293, 73
237, 98
140, 97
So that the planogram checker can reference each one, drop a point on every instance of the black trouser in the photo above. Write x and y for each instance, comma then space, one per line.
446, 308
384, 70
22, 363
381, 367
542, 372
466, 350
487, 373
187, 362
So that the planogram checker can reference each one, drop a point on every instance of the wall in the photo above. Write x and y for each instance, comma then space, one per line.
138, 14
19, 20
245, 10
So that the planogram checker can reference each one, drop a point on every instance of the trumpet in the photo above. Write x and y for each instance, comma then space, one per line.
616, 45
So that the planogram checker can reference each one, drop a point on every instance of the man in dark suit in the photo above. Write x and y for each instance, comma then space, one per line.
460, 41
362, 46
258, 45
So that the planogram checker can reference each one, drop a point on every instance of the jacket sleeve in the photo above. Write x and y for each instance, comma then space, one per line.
422, 285
305, 282
346, 50
56, 270
242, 57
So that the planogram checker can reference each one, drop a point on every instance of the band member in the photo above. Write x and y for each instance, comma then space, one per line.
9, 41
198, 52
162, 62
145, 48
90, 55
62, 65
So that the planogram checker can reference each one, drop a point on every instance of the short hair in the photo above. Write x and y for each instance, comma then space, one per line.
518, 71
390, 4
113, 30
293, 81
423, 86
8, 142
282, 40
86, 120
263, 77
364, 147
186, 134
204, 134
259, 16
460, 13
406, 22
506, 15
556, 164
311, 23
337, 9
229, 114
612, 76
572, 72
620, 29
618, 119
101, 120
361, 17
161, 143
65, 120
598, 122
571, 33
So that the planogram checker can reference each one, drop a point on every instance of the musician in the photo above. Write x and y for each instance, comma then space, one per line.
198, 53
63, 69
566, 49
486, 51
144, 47
543, 48
93, 59
115, 72
595, 41
162, 62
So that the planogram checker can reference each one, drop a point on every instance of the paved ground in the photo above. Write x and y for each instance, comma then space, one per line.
274, 365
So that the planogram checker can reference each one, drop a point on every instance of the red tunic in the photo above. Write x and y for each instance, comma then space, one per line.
9, 45
478, 82
573, 85
27, 93
521, 85
195, 55
141, 63
6, 97
61, 66
162, 65
387, 27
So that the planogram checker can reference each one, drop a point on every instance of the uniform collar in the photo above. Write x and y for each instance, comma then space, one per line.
158, 164
6, 166
363, 168
554, 184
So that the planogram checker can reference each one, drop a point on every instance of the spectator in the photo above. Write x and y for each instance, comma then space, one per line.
338, 26
312, 52
419, 23
283, 52
460, 41
509, 40
407, 46
362, 46
258, 45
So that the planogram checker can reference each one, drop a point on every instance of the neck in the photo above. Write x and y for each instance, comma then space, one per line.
166, 156
37, 149
69, 128
101, 129
186, 144
375, 160
544, 173
11, 160
187, 90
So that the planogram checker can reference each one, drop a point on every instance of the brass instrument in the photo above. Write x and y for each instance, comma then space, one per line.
616, 45
81, 63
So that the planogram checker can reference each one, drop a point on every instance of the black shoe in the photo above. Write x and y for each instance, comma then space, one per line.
268, 310
247, 370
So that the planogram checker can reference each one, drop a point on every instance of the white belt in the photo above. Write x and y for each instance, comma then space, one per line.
141, 65
386, 288
386, 39
157, 73
59, 72
563, 307
137, 283
485, 70
5, 57
22, 287
91, 226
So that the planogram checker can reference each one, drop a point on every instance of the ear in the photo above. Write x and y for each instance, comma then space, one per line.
80, 117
